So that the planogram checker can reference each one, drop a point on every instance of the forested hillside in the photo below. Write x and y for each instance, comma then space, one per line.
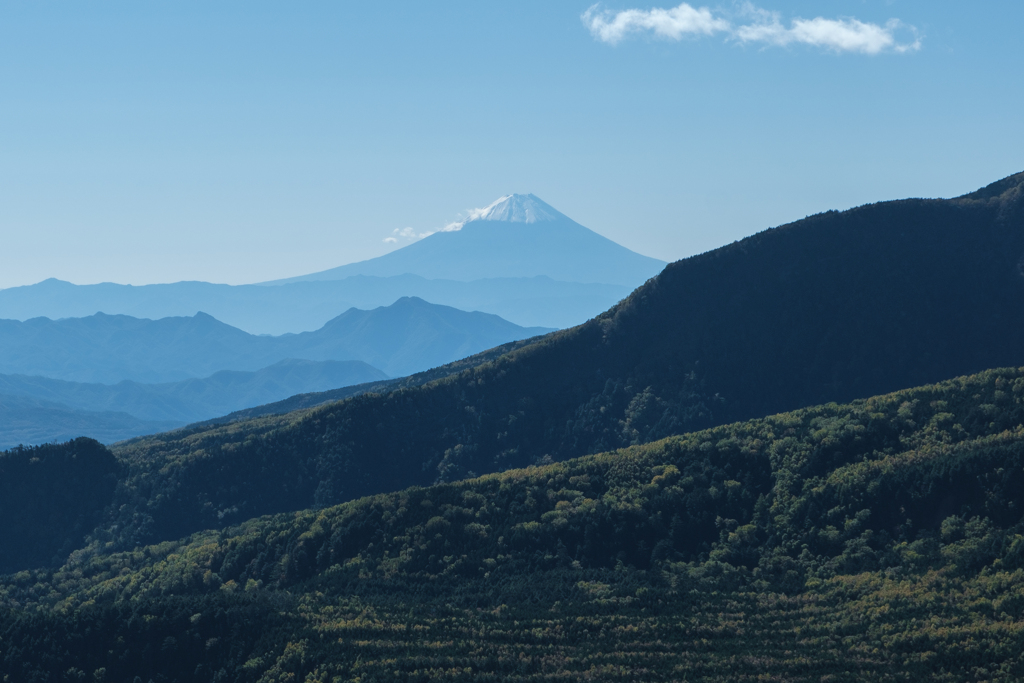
880, 540
833, 307
50, 497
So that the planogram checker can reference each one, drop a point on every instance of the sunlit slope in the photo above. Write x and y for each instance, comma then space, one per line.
833, 307
840, 542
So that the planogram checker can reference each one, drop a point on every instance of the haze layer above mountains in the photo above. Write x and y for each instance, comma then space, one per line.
129, 376
514, 257
408, 336
519, 259
37, 409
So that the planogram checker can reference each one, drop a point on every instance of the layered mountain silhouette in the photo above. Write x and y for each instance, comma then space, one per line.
30, 420
306, 306
519, 258
408, 336
192, 400
516, 236
893, 520
830, 308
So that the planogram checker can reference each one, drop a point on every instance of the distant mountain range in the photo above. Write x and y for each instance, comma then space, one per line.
116, 377
406, 337
516, 236
195, 399
29, 420
519, 258
306, 306
36, 410
830, 308
844, 541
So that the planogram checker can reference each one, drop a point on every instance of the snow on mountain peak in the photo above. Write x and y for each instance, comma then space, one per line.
516, 208
512, 208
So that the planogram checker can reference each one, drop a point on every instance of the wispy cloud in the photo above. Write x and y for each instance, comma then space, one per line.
455, 226
408, 235
752, 25
405, 235
840, 35
671, 23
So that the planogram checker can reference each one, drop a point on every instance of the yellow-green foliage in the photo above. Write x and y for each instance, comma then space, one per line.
880, 540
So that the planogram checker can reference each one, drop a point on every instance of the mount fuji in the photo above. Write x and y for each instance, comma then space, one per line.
518, 258
517, 236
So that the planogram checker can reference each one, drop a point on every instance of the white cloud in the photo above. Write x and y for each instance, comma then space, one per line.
405, 235
841, 35
756, 26
673, 23
472, 215
408, 235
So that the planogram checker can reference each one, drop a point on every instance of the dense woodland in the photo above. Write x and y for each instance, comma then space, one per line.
879, 540
50, 497
834, 307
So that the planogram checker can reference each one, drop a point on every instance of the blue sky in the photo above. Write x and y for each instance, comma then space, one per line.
240, 142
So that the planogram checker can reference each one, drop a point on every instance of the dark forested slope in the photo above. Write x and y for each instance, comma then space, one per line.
832, 307
50, 497
880, 540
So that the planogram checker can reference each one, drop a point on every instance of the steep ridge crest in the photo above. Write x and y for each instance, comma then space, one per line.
830, 308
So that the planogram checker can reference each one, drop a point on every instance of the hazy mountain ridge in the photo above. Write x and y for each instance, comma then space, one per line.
307, 306
197, 399
408, 336
303, 402
30, 420
832, 307
519, 259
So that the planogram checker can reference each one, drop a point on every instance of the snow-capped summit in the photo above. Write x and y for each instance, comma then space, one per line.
517, 208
